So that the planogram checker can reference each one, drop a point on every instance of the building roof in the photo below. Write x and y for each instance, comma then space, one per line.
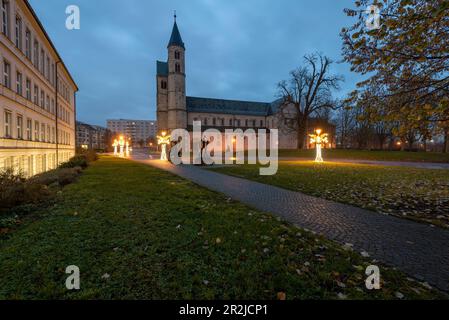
162, 68
206, 105
175, 39
39, 23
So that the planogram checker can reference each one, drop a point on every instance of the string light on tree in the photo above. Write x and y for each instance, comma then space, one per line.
163, 141
319, 139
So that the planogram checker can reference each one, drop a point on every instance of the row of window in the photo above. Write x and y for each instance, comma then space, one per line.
40, 59
231, 122
27, 129
43, 100
34, 164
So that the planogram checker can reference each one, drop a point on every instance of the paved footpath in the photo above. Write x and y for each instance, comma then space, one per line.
417, 249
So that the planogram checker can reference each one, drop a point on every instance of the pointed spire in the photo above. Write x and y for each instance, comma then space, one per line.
175, 39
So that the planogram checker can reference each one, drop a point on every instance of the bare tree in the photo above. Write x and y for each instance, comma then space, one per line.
308, 90
346, 123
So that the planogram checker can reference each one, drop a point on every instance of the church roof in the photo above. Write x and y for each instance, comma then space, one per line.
162, 68
207, 105
175, 39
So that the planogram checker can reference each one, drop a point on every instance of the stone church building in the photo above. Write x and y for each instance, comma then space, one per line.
176, 110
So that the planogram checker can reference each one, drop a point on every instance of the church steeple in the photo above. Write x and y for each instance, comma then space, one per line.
175, 39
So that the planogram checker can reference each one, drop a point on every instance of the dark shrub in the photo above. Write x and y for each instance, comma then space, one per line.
11, 188
47, 178
76, 161
68, 175
34, 193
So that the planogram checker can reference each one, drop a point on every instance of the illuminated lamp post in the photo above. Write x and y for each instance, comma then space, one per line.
115, 145
163, 141
122, 146
319, 139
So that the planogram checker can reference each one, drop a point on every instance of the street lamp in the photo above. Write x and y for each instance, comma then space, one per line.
319, 139
115, 145
164, 140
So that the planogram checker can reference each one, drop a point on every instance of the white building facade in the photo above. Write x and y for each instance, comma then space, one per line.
37, 94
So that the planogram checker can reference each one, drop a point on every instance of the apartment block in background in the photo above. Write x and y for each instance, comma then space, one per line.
37, 94
137, 130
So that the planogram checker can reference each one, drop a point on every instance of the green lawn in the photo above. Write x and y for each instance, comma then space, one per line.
417, 194
370, 155
139, 233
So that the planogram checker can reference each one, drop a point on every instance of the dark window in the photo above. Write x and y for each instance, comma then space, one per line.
177, 68
19, 33
164, 84
5, 17
177, 55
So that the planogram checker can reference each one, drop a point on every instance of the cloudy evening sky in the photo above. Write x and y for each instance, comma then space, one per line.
236, 49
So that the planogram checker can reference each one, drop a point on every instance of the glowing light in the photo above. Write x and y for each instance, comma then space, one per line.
115, 145
163, 141
319, 139
121, 143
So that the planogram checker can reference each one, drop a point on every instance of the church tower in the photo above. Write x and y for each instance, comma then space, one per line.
176, 89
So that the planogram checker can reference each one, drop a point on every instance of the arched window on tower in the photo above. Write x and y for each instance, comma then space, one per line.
177, 55
163, 84
177, 68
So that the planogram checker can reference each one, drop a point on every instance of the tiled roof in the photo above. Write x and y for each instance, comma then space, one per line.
162, 68
206, 105
175, 39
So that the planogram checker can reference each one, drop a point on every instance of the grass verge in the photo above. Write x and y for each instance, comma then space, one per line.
404, 156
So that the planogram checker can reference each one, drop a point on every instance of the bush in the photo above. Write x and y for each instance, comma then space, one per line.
82, 159
16, 191
47, 179
76, 161
12, 188
68, 175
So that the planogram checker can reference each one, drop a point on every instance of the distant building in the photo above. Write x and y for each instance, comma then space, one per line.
92, 137
37, 94
138, 130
